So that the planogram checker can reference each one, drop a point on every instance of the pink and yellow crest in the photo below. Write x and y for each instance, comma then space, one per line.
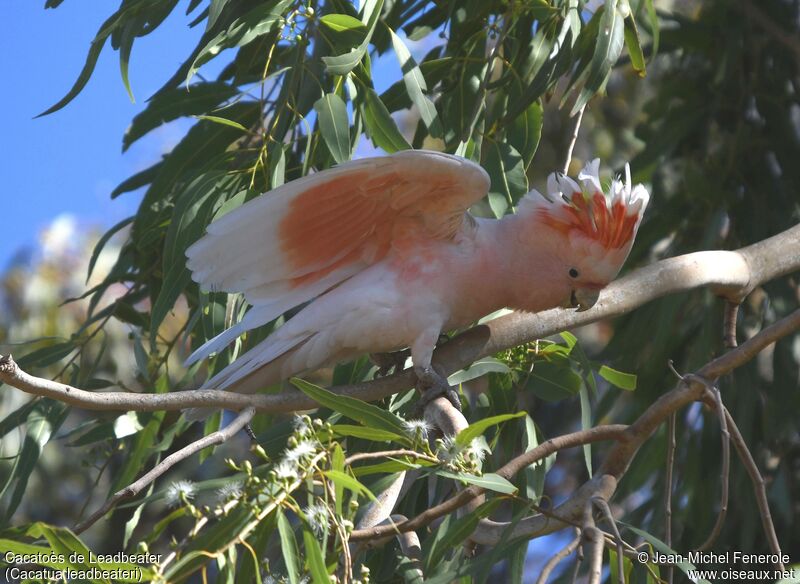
608, 219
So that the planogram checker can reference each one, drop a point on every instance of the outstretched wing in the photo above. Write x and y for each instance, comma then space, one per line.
301, 239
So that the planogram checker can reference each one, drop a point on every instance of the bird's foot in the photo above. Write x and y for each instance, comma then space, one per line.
387, 361
432, 385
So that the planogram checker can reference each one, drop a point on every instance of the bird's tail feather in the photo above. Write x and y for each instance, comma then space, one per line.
250, 374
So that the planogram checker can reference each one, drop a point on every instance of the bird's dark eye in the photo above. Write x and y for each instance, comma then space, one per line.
573, 273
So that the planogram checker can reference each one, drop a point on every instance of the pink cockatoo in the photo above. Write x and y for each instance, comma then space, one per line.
389, 256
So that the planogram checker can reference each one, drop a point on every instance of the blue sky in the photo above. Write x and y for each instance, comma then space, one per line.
69, 161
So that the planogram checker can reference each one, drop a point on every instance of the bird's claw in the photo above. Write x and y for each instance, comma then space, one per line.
431, 385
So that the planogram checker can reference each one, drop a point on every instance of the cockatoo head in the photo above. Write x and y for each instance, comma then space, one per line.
589, 232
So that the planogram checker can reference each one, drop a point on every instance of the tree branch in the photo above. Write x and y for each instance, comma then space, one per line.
543, 450
136, 487
732, 274
628, 441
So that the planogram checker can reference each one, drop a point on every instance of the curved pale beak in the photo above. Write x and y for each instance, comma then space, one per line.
584, 298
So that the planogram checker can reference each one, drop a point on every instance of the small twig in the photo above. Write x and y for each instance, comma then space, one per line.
543, 450
758, 484
136, 487
714, 394
575, 131
577, 565
602, 504
593, 540
559, 557
671, 445
729, 324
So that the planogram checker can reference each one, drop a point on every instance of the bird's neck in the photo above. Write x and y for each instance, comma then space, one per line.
522, 262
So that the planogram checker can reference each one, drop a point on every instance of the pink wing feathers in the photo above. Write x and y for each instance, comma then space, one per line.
299, 240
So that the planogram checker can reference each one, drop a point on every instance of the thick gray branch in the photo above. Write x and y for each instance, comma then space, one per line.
732, 274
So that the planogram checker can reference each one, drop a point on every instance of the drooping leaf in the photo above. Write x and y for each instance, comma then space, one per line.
416, 86
344, 480
620, 379
468, 434
314, 559
101, 243
288, 548
479, 368
610, 40
380, 125
343, 64
634, 46
525, 132
368, 414
489, 481
175, 103
509, 182
364, 433
263, 19
457, 531
334, 124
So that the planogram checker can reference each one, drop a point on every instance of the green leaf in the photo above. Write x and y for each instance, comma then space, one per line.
337, 463
263, 19
334, 124
129, 32
526, 131
360, 411
468, 434
342, 22
137, 180
288, 548
380, 125
416, 86
46, 355
16, 418
586, 424
506, 169
477, 369
193, 211
626, 381
204, 147
610, 39
390, 466
43, 420
554, 382
489, 481
175, 103
627, 566
214, 11
101, 243
652, 18
457, 532
634, 47
684, 566
373, 434
343, 64
91, 60
224, 122
536, 473
344, 480
141, 450
314, 559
